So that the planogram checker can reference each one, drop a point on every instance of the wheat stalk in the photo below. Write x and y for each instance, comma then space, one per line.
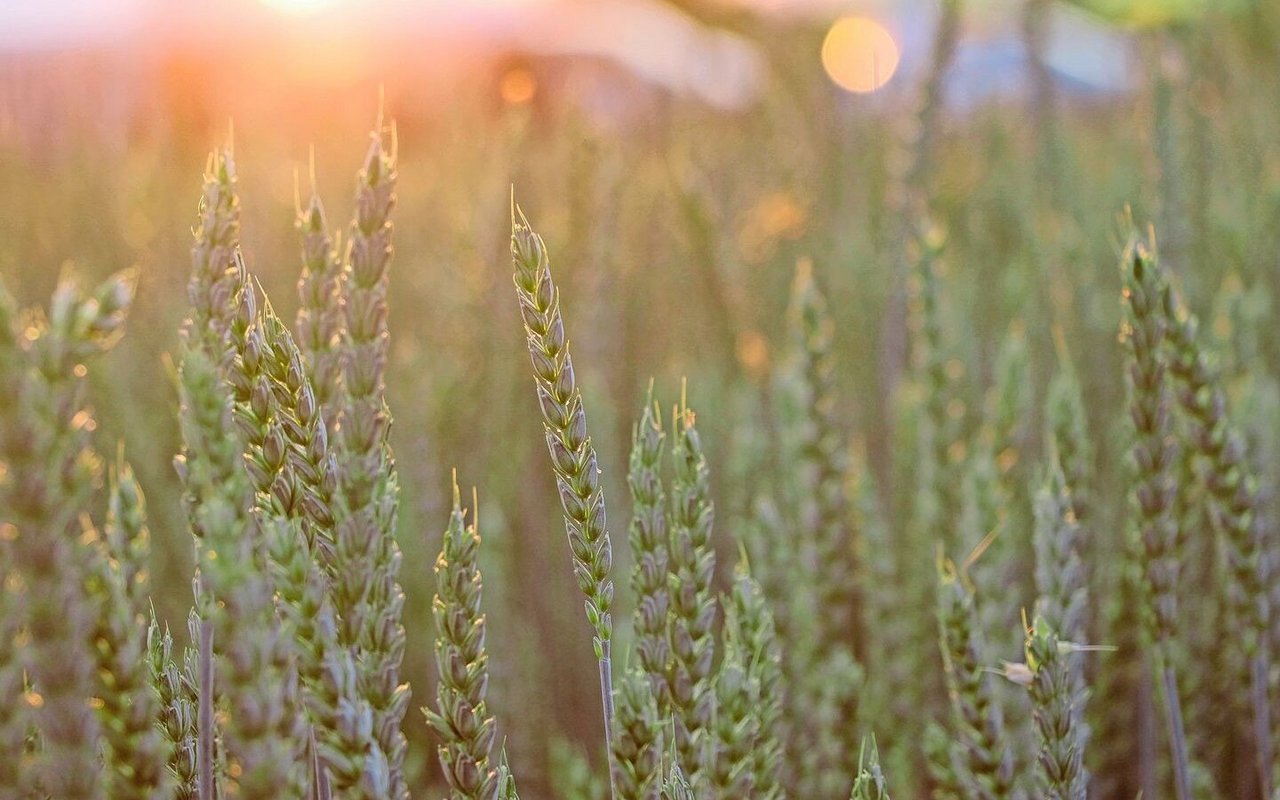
1055, 687
573, 458
177, 723
462, 718
320, 320
692, 615
1233, 492
57, 471
638, 740
981, 752
1155, 453
648, 537
129, 707
367, 594
749, 623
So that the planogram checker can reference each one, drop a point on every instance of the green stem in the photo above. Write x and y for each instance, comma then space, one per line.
1177, 734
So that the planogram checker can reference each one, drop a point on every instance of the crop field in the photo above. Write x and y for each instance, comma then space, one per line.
640, 399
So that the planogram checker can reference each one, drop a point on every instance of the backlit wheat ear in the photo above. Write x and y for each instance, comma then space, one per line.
1054, 688
461, 718
638, 739
242, 619
573, 458
648, 537
749, 623
177, 699
46, 519
213, 280
367, 591
130, 709
692, 615
234, 593
295, 480
1156, 453
1232, 492
320, 321
981, 752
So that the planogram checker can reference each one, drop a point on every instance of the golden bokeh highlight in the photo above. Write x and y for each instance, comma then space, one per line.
518, 86
859, 54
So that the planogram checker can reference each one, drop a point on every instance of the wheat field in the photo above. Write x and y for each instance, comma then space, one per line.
567, 434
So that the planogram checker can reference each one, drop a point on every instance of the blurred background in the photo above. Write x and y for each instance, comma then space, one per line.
679, 157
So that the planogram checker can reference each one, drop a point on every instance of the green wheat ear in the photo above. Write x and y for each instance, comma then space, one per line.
46, 443
1232, 493
366, 590
1054, 689
638, 739
981, 751
1155, 450
177, 698
573, 458
130, 708
461, 719
648, 537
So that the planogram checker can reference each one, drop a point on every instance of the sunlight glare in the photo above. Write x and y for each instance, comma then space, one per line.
859, 54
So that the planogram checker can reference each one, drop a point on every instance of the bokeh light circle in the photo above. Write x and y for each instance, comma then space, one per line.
859, 54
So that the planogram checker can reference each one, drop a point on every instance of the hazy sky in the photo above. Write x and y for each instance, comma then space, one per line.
45, 23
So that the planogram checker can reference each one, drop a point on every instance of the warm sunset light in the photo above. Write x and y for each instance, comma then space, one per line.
859, 54
301, 7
